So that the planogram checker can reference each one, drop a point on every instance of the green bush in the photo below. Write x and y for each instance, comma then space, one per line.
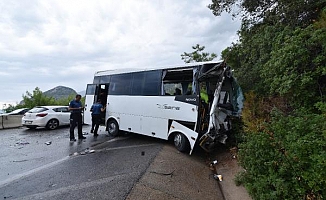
287, 160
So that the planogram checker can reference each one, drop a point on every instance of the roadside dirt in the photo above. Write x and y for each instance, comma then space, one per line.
174, 175
227, 166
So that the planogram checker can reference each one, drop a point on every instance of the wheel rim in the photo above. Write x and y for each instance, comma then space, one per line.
177, 140
53, 124
112, 128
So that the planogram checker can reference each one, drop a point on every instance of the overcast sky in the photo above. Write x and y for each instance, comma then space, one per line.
64, 42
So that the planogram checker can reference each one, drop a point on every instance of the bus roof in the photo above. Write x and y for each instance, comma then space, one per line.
129, 70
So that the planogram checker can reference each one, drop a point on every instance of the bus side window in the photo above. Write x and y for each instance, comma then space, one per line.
120, 84
172, 89
152, 83
137, 83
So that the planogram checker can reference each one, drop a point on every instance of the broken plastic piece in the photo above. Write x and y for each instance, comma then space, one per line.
214, 162
48, 143
218, 177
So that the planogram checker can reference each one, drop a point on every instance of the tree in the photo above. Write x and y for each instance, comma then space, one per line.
198, 55
10, 108
66, 101
37, 99
281, 57
292, 13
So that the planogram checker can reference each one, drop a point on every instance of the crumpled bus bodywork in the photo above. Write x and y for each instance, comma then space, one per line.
226, 101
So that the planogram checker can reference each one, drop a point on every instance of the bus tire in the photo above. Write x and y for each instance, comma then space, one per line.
181, 142
113, 128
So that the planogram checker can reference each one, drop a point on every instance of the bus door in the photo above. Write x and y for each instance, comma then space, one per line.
102, 94
90, 98
94, 92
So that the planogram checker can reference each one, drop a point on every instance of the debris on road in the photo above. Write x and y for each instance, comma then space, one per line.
22, 143
218, 177
48, 143
214, 162
19, 160
213, 167
165, 174
234, 152
87, 151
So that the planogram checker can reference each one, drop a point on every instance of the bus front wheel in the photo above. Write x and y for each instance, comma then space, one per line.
181, 142
113, 128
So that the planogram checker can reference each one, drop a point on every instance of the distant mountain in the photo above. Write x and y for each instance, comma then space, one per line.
60, 92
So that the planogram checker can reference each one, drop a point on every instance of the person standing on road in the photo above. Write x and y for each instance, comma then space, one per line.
96, 110
76, 109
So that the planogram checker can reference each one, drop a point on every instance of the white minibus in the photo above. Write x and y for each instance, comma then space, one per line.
188, 104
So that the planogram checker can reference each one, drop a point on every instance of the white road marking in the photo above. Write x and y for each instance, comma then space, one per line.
22, 175
128, 147
71, 188
57, 162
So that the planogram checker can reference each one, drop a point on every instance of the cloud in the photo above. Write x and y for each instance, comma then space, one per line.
49, 43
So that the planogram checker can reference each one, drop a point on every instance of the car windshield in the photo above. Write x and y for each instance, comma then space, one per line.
37, 110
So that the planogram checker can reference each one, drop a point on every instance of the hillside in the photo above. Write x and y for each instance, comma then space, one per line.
60, 92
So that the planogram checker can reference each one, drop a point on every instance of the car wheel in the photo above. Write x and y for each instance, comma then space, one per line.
52, 124
181, 142
113, 128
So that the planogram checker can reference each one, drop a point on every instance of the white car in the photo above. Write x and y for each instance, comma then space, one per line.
50, 117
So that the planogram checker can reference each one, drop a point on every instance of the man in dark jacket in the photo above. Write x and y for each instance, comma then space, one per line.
96, 110
76, 109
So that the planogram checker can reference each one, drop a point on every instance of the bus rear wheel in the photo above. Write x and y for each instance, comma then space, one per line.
113, 128
181, 142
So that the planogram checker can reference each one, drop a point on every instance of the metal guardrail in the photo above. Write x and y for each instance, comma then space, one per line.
10, 121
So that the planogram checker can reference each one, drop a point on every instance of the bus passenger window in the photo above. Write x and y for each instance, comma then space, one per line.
172, 89
138, 83
152, 83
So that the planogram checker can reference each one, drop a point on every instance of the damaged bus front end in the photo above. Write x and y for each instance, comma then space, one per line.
221, 99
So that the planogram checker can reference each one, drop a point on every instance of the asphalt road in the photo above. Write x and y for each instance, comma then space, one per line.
42, 164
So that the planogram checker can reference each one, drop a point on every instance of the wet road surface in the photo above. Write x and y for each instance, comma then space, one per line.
42, 164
